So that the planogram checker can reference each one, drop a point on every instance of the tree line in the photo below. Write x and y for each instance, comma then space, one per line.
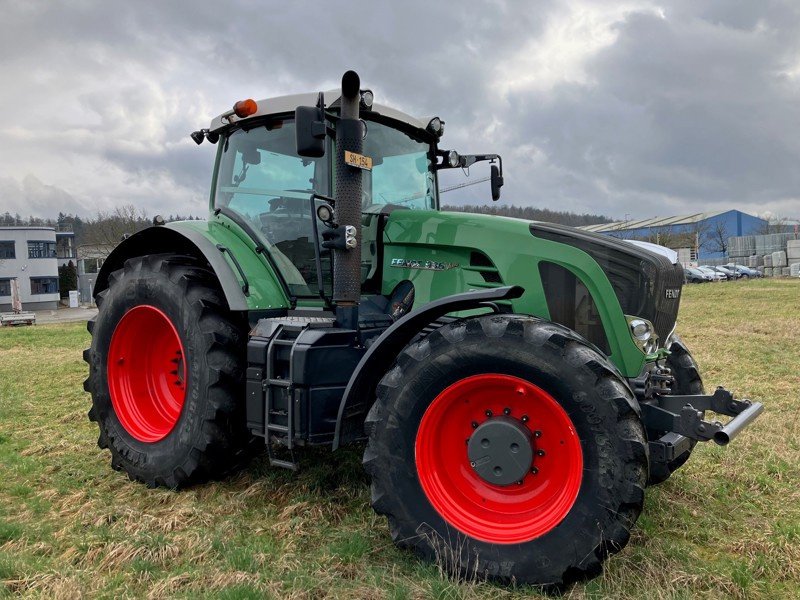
530, 213
104, 230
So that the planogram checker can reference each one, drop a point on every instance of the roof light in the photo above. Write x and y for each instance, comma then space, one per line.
367, 98
245, 108
436, 126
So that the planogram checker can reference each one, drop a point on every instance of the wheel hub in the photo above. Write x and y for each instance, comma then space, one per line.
501, 450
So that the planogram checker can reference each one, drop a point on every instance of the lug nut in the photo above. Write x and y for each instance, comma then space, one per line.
472, 464
488, 413
506, 411
534, 470
474, 424
519, 482
540, 452
525, 418
537, 433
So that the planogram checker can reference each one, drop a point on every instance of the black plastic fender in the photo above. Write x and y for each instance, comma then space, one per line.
178, 240
358, 396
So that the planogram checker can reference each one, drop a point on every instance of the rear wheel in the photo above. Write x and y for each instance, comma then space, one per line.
507, 447
165, 373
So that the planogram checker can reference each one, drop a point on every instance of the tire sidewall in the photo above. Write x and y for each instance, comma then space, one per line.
155, 289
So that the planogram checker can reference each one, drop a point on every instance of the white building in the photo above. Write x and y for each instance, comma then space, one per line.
28, 254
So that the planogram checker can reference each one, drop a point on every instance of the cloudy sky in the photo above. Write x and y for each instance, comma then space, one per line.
614, 107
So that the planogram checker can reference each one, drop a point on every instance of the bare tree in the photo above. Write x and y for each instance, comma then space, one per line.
107, 229
772, 224
717, 238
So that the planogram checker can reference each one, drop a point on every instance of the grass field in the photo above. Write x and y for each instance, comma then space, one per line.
726, 525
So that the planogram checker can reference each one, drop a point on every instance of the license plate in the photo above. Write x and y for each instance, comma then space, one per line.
358, 160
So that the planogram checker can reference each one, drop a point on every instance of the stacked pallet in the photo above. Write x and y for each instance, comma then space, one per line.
741, 247
793, 250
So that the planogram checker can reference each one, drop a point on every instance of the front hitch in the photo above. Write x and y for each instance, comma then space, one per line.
683, 415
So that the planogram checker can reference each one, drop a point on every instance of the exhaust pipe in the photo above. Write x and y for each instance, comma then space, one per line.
347, 261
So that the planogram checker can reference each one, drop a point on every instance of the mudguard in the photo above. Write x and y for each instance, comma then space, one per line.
177, 240
358, 396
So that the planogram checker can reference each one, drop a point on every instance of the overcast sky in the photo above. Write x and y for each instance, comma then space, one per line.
618, 107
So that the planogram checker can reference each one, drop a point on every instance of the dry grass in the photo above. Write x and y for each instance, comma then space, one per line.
727, 525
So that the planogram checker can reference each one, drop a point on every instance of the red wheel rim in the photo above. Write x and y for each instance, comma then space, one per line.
146, 373
491, 513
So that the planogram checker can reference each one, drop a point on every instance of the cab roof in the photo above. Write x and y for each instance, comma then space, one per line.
287, 104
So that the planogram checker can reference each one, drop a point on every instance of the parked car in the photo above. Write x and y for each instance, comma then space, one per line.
695, 275
715, 275
724, 270
731, 273
745, 272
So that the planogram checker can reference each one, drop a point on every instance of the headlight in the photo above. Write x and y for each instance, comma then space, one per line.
643, 334
453, 159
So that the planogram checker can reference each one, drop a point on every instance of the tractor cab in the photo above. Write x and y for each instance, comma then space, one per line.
287, 199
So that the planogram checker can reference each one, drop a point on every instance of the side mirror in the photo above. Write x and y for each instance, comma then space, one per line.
251, 156
310, 129
497, 183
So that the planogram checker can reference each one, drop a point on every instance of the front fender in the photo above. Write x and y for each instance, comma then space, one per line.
251, 285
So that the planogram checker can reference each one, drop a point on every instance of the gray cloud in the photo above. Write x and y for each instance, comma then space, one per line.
613, 107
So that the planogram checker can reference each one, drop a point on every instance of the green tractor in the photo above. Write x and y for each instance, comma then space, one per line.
517, 384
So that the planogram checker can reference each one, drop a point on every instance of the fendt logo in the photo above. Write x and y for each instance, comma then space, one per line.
428, 265
672, 293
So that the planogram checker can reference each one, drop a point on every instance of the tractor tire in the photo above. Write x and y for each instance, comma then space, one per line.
166, 373
687, 382
582, 471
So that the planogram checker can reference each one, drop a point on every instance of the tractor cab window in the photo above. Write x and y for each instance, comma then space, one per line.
402, 172
402, 175
264, 181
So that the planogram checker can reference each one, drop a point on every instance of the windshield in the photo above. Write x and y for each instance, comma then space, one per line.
401, 172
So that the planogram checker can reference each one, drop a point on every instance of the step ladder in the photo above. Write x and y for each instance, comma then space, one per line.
279, 397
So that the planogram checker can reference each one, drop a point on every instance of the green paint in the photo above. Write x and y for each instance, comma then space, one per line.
452, 237
265, 290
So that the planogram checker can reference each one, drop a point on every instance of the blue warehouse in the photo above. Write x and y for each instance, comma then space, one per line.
696, 237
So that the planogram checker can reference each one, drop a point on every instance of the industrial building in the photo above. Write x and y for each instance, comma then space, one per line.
696, 237
29, 255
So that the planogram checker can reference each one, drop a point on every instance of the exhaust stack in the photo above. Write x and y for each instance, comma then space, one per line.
348, 186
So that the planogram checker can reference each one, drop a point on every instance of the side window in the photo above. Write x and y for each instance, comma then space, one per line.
570, 304
41, 249
263, 180
44, 285
7, 250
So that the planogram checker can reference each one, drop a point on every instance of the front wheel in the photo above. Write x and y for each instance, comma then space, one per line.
507, 447
165, 373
